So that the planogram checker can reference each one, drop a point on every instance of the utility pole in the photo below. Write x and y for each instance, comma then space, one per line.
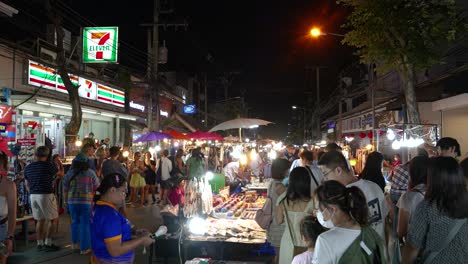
206, 100
152, 68
317, 71
155, 54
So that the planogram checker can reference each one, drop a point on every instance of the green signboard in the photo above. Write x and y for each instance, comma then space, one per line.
100, 44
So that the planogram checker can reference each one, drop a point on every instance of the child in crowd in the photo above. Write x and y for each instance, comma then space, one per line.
310, 230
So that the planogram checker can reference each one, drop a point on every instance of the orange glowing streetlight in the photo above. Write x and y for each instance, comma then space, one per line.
315, 32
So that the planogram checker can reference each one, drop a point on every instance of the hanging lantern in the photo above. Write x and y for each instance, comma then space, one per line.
381, 132
370, 135
362, 135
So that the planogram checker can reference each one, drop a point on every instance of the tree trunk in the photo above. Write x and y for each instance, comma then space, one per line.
408, 77
73, 127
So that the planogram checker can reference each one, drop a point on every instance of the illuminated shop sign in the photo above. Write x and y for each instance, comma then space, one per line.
189, 109
137, 106
100, 44
46, 77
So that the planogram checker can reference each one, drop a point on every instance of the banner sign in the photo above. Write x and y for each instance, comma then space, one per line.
46, 77
26, 142
100, 44
5, 114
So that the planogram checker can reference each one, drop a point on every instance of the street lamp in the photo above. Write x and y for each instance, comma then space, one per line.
303, 121
316, 32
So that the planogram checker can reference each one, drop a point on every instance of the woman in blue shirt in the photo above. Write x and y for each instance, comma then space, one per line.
111, 236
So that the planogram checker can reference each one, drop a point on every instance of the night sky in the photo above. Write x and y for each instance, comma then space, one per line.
265, 41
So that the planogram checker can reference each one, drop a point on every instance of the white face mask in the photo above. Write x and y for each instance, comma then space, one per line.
327, 224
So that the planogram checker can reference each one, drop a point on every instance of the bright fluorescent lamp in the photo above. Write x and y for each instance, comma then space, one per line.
197, 226
109, 115
254, 126
89, 111
61, 106
390, 134
209, 175
127, 118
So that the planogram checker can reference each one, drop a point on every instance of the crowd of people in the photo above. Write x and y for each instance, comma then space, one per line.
325, 213
322, 211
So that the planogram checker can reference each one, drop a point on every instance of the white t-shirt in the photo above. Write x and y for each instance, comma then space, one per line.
166, 168
378, 208
231, 170
303, 258
295, 163
331, 245
410, 200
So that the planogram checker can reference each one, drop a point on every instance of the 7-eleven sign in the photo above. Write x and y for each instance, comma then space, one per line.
87, 89
100, 44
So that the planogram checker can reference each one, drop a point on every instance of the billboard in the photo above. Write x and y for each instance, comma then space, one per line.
100, 44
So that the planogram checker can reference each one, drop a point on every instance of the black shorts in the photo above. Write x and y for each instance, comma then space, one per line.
167, 184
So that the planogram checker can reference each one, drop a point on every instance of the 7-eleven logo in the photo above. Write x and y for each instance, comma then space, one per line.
100, 44
88, 88
102, 38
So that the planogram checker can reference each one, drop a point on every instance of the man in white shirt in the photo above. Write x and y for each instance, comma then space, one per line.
231, 171
334, 167
166, 168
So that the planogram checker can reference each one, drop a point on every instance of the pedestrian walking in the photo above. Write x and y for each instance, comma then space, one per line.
40, 176
137, 181
79, 185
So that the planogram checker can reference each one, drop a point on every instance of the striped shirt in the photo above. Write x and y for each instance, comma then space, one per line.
40, 176
80, 188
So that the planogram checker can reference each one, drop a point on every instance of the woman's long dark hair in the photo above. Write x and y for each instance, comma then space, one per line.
418, 170
196, 153
299, 185
373, 169
115, 180
350, 200
447, 187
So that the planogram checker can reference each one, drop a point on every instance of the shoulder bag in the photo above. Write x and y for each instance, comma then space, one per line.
311, 174
264, 216
297, 250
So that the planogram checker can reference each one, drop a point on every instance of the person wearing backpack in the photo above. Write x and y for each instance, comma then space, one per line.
79, 185
349, 240
265, 216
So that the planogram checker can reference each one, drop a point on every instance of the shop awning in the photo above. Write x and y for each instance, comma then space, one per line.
454, 102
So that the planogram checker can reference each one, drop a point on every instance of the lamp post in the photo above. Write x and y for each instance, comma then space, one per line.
303, 121
316, 32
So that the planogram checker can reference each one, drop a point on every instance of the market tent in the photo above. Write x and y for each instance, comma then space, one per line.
240, 123
153, 136
204, 136
176, 135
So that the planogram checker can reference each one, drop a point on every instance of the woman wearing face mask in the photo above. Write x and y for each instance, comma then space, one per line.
344, 211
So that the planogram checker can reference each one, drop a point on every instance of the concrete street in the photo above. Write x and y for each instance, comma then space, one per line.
147, 217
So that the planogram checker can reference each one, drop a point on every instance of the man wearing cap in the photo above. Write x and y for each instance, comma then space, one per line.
39, 177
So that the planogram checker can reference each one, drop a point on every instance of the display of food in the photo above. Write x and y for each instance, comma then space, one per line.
237, 206
234, 230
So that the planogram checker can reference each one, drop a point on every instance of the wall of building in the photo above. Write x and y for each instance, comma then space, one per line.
455, 124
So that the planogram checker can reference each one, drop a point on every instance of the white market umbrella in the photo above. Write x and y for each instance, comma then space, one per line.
240, 123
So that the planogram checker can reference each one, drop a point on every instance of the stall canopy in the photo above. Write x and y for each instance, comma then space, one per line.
240, 123
204, 136
176, 135
153, 136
